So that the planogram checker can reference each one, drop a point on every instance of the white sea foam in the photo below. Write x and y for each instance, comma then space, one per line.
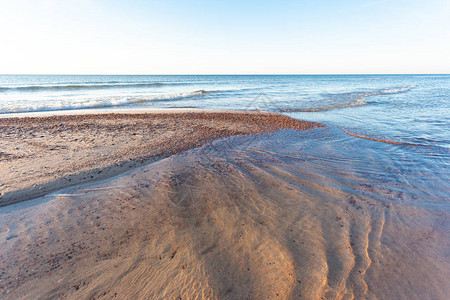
396, 90
349, 100
101, 102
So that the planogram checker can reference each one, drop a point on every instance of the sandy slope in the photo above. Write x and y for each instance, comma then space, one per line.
233, 220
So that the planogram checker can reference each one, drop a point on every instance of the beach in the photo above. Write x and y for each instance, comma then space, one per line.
206, 205
225, 150
43, 154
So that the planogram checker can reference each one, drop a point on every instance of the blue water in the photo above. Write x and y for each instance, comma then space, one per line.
412, 109
404, 108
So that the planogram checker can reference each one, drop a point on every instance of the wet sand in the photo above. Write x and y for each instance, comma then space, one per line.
39, 155
245, 217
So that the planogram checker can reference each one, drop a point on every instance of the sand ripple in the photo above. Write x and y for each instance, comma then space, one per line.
239, 224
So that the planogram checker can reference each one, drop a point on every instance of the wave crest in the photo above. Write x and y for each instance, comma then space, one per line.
107, 102
396, 90
356, 99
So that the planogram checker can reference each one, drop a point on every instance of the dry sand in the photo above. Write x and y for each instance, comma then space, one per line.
42, 154
230, 220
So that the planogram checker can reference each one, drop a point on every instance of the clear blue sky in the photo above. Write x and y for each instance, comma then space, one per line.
224, 37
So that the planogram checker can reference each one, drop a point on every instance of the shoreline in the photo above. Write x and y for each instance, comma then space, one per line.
42, 154
256, 222
115, 110
275, 215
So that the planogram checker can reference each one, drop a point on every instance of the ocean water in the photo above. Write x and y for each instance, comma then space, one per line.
407, 115
403, 108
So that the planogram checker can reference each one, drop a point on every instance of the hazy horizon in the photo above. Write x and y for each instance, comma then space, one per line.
214, 74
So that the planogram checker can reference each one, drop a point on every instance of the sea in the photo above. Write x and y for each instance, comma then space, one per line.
393, 128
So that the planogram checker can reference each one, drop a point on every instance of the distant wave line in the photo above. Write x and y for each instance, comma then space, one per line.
82, 86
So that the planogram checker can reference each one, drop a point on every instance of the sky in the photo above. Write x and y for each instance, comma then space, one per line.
224, 37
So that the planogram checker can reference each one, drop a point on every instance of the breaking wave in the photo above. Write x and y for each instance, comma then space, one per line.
351, 100
102, 102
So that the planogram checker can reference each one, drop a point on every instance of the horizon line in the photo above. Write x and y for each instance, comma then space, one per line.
213, 74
